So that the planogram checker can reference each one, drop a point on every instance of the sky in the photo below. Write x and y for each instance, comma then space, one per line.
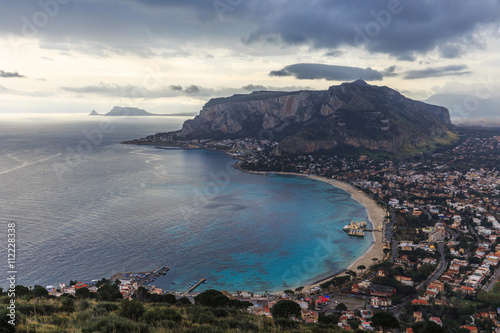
172, 56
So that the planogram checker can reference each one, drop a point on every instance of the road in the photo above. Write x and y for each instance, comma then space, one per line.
491, 283
437, 273
388, 235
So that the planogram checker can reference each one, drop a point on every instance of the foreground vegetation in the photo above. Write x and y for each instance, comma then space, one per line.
212, 312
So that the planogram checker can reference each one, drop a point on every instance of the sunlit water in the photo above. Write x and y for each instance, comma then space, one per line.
87, 207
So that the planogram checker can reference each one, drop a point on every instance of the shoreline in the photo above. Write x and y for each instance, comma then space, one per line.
376, 215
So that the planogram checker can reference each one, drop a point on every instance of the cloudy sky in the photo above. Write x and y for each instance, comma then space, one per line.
174, 55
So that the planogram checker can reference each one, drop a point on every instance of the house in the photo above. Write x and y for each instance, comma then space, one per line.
417, 316
431, 261
310, 316
429, 294
357, 289
407, 281
80, 285
472, 329
436, 320
418, 301
366, 326
377, 302
349, 314
467, 290
437, 285
436, 236
366, 314
381, 272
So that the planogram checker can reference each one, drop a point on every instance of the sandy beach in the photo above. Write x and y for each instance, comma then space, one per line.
375, 213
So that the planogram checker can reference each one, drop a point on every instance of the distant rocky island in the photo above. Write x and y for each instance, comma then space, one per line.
353, 114
119, 111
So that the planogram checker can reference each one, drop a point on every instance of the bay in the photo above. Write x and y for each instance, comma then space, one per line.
86, 207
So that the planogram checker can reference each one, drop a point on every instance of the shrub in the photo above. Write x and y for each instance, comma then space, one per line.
286, 324
131, 309
103, 308
114, 324
161, 314
68, 305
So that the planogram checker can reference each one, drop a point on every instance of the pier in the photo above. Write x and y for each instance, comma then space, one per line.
196, 285
358, 228
141, 278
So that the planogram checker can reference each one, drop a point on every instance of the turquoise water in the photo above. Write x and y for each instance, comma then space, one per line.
87, 207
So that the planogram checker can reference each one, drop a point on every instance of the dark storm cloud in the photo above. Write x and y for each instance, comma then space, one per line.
328, 72
397, 27
452, 70
10, 74
402, 28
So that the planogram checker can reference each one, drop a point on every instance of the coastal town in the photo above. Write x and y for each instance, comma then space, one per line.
436, 256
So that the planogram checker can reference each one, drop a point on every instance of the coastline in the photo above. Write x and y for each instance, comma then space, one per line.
376, 216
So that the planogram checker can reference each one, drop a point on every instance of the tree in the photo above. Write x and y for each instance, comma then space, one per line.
299, 289
286, 309
385, 320
239, 305
351, 273
131, 309
361, 268
39, 291
289, 292
82, 293
141, 294
427, 327
68, 305
109, 293
374, 260
22, 290
331, 319
212, 298
341, 307
183, 301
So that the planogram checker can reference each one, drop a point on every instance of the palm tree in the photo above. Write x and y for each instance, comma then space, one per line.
351, 273
361, 268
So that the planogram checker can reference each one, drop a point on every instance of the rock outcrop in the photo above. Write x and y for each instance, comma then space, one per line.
355, 114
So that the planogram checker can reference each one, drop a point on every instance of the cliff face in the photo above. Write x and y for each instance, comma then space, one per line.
357, 114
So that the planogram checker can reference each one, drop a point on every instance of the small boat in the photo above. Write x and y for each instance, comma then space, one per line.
173, 282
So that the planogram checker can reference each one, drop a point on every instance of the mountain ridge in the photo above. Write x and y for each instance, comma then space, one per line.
355, 114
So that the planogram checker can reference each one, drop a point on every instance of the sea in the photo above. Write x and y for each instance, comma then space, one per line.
86, 206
